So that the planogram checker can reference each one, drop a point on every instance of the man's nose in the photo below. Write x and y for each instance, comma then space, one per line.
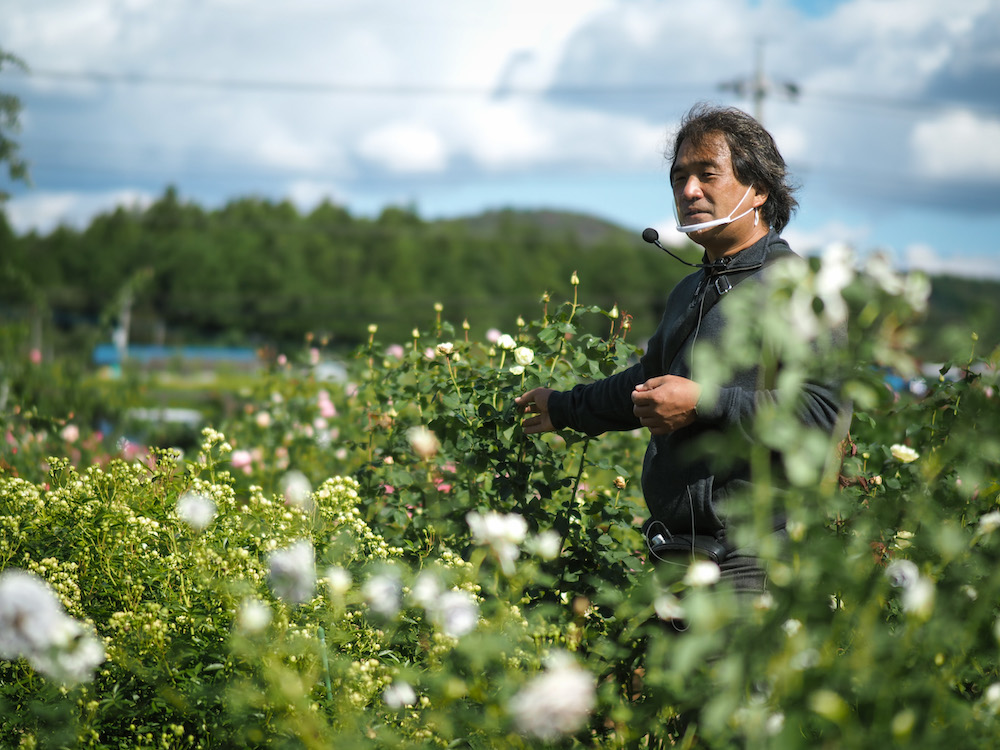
692, 188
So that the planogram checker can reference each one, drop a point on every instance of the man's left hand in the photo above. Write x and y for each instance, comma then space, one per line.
666, 403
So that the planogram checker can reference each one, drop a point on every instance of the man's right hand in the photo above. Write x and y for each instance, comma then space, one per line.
536, 403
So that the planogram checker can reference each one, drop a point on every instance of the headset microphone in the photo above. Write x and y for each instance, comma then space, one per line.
653, 237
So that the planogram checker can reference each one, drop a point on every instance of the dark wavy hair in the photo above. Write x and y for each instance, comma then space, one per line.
756, 160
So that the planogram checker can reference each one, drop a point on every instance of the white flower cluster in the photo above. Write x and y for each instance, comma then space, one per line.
337, 501
501, 532
918, 591
555, 703
34, 625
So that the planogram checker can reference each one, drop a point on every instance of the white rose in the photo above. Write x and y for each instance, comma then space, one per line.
293, 572
903, 453
383, 594
196, 510
506, 341
557, 702
702, 573
547, 544
399, 694
668, 607
918, 598
524, 356
791, 627
296, 488
424, 441
254, 616
338, 579
456, 613
990, 522
902, 573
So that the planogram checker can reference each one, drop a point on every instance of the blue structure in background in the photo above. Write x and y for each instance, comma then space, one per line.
146, 354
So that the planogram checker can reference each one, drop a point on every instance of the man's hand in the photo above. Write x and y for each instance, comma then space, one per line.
535, 401
666, 403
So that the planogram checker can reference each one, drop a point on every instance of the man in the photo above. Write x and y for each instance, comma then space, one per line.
732, 197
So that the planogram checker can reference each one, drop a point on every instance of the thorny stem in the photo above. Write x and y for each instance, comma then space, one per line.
451, 374
564, 517
503, 356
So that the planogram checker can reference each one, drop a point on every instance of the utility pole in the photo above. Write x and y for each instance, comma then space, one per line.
758, 87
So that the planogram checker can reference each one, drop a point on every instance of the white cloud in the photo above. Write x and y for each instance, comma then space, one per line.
505, 134
405, 147
47, 210
397, 65
812, 241
921, 257
956, 145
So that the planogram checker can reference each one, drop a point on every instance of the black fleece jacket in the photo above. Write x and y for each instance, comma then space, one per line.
683, 488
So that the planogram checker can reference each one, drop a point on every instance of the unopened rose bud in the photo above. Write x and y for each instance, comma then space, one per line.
438, 307
614, 313
372, 328
416, 333
574, 279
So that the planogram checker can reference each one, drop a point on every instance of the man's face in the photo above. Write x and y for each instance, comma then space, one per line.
705, 188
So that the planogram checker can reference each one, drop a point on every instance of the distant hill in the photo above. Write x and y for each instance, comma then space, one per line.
584, 229
959, 307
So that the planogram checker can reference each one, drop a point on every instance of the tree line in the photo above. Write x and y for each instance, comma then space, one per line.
261, 273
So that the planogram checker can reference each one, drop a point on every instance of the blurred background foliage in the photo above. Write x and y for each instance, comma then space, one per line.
258, 273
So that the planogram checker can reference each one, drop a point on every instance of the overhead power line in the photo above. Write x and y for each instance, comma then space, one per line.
327, 87
758, 88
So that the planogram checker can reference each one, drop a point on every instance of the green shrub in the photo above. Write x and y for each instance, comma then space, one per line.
392, 562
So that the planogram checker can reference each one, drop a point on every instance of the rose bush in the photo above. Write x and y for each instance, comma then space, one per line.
392, 562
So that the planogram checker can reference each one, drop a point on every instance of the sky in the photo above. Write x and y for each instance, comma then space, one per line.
887, 111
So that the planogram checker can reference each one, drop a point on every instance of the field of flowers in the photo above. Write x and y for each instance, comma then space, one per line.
391, 562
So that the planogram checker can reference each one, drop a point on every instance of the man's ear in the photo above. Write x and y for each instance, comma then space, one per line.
759, 198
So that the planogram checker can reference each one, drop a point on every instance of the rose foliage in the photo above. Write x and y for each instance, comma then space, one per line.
391, 562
